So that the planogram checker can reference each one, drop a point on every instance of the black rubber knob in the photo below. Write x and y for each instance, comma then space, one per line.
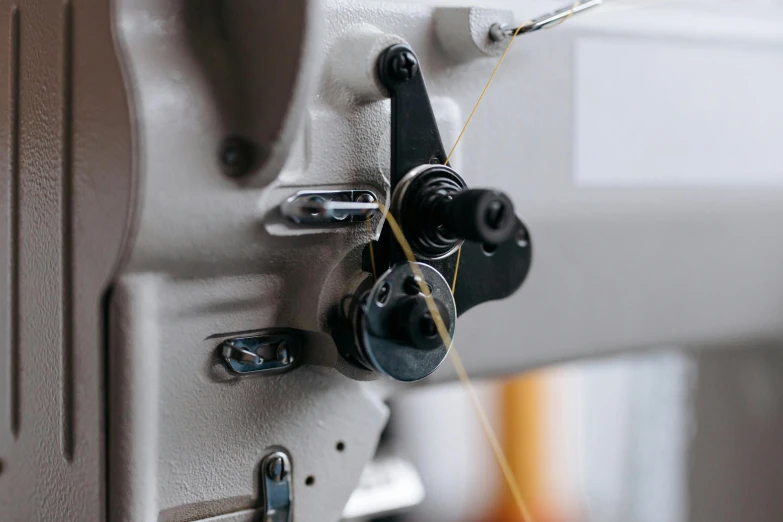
415, 324
483, 216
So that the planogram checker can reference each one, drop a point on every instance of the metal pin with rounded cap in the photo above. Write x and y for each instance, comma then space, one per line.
500, 32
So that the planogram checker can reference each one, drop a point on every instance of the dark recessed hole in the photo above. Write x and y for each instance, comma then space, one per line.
236, 156
383, 294
427, 326
309, 481
340, 446
521, 238
412, 286
488, 249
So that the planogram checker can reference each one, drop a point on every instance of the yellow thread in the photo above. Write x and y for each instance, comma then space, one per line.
508, 474
456, 271
569, 15
461, 373
492, 77
372, 253
497, 450
467, 122
486, 427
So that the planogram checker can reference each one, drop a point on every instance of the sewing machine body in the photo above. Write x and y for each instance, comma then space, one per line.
130, 253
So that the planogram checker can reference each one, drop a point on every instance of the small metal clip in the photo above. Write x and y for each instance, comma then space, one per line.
276, 480
267, 353
330, 207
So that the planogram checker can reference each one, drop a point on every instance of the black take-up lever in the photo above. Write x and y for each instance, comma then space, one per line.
390, 328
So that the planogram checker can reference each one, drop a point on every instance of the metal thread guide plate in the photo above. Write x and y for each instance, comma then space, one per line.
276, 480
270, 353
330, 207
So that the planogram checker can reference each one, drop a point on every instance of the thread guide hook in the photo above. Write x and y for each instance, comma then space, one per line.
502, 32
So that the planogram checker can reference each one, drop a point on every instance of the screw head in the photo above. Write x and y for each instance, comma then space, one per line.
275, 468
403, 65
365, 198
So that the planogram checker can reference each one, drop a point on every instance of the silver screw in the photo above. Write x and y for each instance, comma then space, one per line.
275, 468
282, 352
316, 205
339, 216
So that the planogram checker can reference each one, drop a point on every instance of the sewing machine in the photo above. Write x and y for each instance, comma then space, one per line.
205, 304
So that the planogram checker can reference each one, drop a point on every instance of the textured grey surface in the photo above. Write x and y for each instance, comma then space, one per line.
133, 403
65, 194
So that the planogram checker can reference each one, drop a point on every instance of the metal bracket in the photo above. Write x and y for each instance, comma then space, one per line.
502, 270
276, 480
272, 353
488, 272
325, 207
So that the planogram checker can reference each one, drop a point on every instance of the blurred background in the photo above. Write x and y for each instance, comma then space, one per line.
659, 436
662, 436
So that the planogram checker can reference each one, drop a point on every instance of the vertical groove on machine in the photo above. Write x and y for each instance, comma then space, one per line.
67, 232
14, 322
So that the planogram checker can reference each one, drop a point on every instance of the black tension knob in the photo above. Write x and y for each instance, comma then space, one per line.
437, 212
479, 215
414, 324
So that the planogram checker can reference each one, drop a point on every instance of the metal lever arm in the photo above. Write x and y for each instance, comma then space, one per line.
415, 139
433, 205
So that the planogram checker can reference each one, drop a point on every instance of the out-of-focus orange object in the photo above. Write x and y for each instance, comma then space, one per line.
530, 440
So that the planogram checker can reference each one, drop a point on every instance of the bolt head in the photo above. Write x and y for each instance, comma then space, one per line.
427, 326
365, 198
275, 468
403, 65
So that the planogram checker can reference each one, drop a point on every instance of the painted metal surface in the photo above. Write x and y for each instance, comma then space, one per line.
131, 145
